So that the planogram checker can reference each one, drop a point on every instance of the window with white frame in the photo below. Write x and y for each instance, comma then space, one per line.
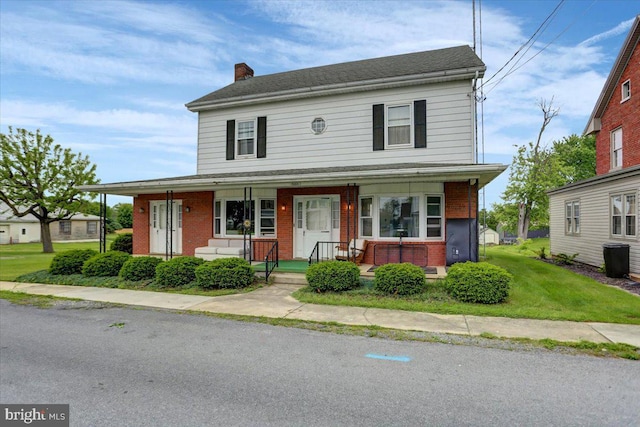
398, 125
434, 216
217, 213
263, 221
624, 215
245, 138
399, 216
616, 148
572, 217
366, 217
267, 217
626, 90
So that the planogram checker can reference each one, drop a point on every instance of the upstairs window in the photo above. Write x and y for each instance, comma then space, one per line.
626, 90
398, 125
616, 149
246, 138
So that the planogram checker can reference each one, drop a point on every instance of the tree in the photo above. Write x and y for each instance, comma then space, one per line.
489, 218
41, 178
578, 157
124, 214
534, 170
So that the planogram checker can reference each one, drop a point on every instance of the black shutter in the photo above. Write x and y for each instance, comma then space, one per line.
420, 123
262, 137
231, 139
378, 127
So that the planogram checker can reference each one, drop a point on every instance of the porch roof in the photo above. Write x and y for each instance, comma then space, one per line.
314, 177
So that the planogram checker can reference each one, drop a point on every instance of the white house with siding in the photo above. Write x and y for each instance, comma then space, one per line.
380, 149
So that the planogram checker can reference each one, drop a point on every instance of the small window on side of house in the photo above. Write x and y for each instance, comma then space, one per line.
65, 227
626, 90
572, 217
92, 227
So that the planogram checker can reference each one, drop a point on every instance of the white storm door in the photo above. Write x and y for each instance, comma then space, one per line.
160, 227
315, 216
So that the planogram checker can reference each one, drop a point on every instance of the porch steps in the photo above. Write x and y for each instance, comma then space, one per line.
289, 279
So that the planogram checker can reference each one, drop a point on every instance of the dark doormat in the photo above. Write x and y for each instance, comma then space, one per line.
427, 270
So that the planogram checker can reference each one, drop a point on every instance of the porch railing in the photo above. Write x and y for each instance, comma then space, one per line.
325, 251
271, 260
396, 253
266, 251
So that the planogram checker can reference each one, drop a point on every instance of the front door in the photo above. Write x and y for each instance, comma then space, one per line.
313, 224
162, 222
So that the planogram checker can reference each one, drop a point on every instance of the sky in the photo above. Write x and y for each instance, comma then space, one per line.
110, 78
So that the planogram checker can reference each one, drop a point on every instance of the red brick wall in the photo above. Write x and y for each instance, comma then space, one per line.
456, 200
436, 253
197, 224
627, 115
285, 217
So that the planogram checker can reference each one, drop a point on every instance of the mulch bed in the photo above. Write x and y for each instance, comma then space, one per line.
594, 273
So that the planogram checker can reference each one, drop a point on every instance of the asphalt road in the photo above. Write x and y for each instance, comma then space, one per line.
133, 367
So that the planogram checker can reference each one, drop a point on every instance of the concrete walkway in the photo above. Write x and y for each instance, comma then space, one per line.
276, 301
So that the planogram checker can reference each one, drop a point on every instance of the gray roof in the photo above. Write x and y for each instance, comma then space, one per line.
365, 71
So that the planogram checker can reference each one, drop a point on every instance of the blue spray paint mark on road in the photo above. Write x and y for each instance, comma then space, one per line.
385, 357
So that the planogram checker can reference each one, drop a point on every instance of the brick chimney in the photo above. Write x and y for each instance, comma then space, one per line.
243, 71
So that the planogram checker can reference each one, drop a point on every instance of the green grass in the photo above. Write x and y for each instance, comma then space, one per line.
20, 298
540, 291
22, 258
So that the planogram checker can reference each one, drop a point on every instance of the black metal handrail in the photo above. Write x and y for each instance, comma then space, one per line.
271, 260
324, 251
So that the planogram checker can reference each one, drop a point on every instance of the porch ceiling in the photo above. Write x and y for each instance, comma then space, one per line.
360, 175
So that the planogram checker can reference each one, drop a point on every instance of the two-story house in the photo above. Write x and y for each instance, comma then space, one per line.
381, 149
604, 209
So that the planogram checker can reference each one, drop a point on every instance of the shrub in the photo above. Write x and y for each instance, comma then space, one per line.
478, 282
70, 262
334, 276
139, 268
225, 273
123, 243
565, 259
177, 272
106, 264
400, 279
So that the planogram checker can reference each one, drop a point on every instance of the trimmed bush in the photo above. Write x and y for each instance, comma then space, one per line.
70, 262
123, 243
478, 282
106, 264
336, 276
139, 268
399, 279
225, 273
177, 272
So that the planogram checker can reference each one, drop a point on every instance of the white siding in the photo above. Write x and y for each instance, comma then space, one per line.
347, 140
595, 222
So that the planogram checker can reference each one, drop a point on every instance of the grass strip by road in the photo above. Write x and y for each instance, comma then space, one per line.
540, 291
613, 350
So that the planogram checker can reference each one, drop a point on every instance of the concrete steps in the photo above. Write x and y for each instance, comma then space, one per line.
288, 279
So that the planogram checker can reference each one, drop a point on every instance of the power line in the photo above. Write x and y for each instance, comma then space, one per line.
540, 27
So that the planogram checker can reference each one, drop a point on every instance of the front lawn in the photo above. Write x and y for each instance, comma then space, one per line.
22, 258
540, 291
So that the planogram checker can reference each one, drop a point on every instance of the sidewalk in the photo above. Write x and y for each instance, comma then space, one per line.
276, 301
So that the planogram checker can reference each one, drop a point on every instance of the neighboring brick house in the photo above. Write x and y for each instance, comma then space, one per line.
380, 149
604, 209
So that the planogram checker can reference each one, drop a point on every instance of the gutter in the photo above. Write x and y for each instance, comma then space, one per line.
338, 88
